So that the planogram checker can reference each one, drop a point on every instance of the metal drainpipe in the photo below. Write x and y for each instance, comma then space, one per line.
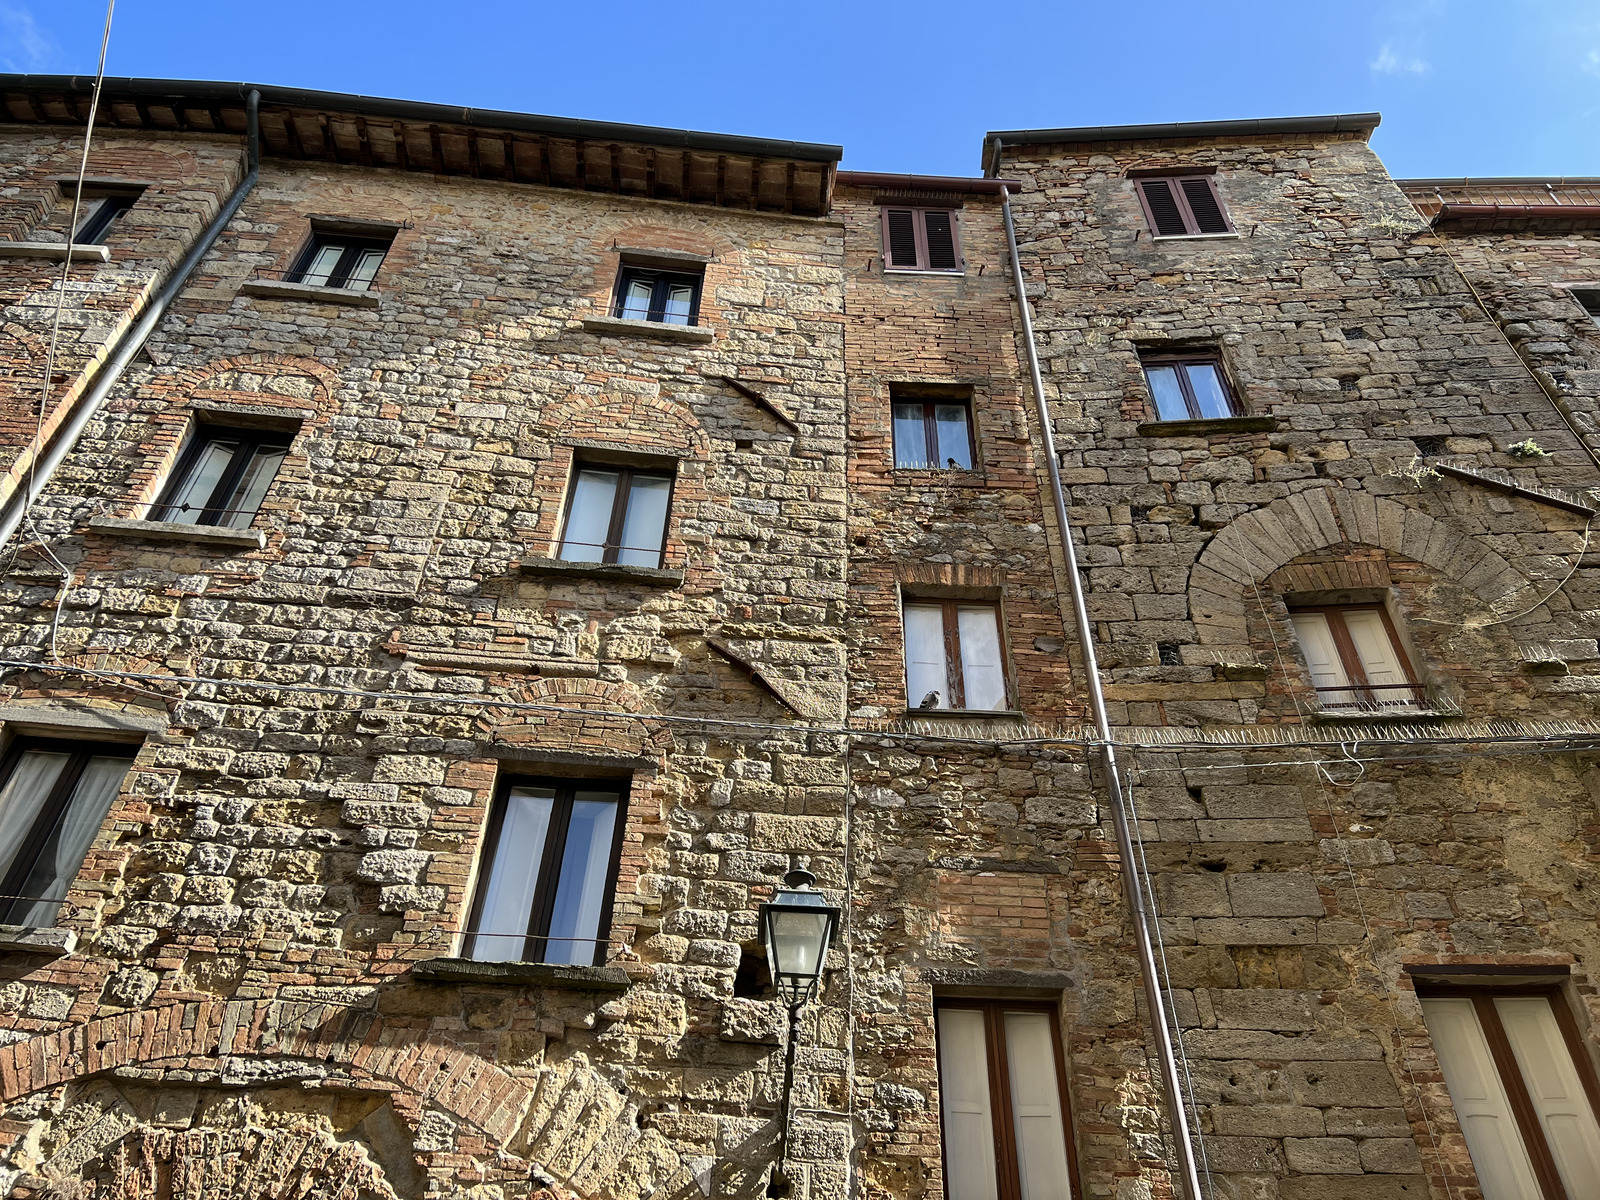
1181, 1136
133, 341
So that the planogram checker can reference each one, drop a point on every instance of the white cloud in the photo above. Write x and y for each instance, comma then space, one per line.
30, 48
1591, 63
1392, 62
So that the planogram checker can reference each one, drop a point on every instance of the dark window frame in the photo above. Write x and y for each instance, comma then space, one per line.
53, 809
919, 230
1350, 657
1008, 1182
354, 247
1511, 1077
950, 615
251, 442
1175, 188
930, 430
536, 941
1588, 299
619, 506
1182, 362
99, 224
661, 280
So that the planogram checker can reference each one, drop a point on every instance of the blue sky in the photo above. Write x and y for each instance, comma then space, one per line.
1466, 87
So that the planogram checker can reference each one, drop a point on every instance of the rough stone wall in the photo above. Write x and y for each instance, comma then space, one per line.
292, 842
1297, 883
188, 179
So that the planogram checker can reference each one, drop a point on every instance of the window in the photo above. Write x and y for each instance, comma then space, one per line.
550, 868
1188, 387
932, 433
1523, 1089
1590, 299
1002, 1102
646, 294
222, 477
921, 239
337, 261
55, 797
617, 515
97, 215
953, 655
1183, 206
1355, 657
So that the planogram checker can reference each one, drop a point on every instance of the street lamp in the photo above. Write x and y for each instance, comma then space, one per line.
797, 926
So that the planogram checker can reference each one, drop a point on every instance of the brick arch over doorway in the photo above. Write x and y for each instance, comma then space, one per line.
565, 1118
1255, 545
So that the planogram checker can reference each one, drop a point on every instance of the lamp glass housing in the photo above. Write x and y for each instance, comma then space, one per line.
798, 927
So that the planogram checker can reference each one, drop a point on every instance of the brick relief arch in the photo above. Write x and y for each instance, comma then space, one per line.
563, 1121
650, 424
1255, 545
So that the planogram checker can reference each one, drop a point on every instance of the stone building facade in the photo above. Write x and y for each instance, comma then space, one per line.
1305, 416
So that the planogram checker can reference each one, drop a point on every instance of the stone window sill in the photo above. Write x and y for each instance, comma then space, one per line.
913, 271
276, 289
1195, 237
1332, 716
939, 476
968, 714
56, 250
661, 330
648, 576
1214, 427
553, 975
48, 940
180, 531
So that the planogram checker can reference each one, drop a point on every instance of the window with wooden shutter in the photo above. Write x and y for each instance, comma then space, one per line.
1183, 206
921, 239
1354, 655
1522, 1086
1002, 1102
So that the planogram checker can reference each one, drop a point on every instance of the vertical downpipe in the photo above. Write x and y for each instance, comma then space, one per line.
1182, 1138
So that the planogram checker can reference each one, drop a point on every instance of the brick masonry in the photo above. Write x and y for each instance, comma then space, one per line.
322, 720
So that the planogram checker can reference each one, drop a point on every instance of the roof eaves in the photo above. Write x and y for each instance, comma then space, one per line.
1363, 123
204, 91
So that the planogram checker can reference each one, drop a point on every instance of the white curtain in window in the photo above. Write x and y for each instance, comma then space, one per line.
1322, 657
636, 303
910, 437
365, 270
644, 525
925, 665
252, 489
589, 519
1380, 661
964, 1104
21, 799
581, 892
1556, 1090
955, 443
680, 301
191, 497
1036, 1107
321, 267
69, 842
1480, 1100
513, 877
983, 677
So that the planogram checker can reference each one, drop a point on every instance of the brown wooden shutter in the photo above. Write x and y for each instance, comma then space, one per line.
1203, 204
940, 228
900, 237
1163, 207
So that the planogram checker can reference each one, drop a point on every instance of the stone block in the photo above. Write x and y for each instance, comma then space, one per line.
1235, 931
1322, 1156
1267, 1120
1265, 1008
1395, 1156
1367, 1122
1275, 894
1344, 1085
1194, 896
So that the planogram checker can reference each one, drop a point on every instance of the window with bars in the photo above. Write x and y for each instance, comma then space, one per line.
99, 214
548, 871
1523, 1087
1189, 387
1183, 205
954, 657
932, 434
53, 800
1355, 657
921, 239
617, 515
336, 261
1003, 1102
670, 297
223, 477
